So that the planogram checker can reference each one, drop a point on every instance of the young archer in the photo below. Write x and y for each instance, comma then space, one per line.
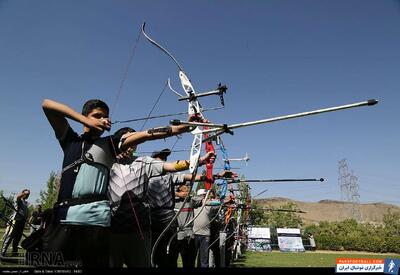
82, 213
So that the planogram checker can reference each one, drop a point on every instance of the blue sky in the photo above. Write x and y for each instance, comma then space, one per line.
276, 57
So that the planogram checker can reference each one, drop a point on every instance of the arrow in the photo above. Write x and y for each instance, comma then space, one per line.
219, 129
277, 180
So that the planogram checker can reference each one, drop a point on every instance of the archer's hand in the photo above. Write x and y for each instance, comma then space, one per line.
194, 118
127, 155
184, 128
227, 174
99, 124
182, 194
230, 199
208, 156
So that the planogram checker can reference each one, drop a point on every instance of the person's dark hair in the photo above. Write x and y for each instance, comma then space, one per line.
120, 132
118, 135
163, 154
92, 104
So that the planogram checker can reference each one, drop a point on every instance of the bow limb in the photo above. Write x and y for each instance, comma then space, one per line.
194, 108
209, 163
227, 167
210, 179
152, 41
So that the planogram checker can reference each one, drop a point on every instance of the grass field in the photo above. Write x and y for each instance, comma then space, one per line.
284, 259
306, 259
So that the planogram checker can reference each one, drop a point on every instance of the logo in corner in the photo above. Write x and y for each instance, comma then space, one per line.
391, 266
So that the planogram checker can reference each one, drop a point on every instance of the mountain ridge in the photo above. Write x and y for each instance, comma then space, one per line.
333, 210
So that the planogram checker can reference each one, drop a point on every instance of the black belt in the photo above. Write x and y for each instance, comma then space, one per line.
82, 200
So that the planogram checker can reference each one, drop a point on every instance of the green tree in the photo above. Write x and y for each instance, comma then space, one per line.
271, 217
276, 217
283, 219
391, 221
244, 191
257, 214
350, 235
5, 212
245, 199
49, 197
391, 232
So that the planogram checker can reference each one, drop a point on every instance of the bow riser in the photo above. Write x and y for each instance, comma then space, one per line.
194, 105
196, 149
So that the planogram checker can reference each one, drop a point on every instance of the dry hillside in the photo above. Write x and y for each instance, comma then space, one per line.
329, 210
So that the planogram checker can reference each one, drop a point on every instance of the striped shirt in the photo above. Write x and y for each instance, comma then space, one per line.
128, 193
162, 195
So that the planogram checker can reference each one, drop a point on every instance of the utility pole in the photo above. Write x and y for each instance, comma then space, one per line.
349, 195
355, 197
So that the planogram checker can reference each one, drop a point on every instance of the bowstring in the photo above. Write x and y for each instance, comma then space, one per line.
154, 106
125, 74
113, 108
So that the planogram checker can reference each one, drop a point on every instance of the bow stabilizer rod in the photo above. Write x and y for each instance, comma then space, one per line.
370, 102
217, 127
219, 91
231, 127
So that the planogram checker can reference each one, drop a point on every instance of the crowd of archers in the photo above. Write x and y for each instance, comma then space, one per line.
117, 209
